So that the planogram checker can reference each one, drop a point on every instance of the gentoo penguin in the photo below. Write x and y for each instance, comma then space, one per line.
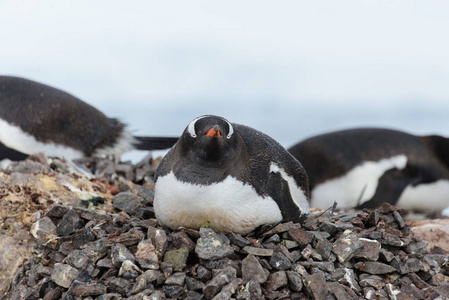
367, 167
230, 175
38, 118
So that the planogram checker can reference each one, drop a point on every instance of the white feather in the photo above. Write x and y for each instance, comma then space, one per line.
230, 205
359, 183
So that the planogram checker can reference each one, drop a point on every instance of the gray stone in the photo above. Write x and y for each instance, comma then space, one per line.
251, 268
193, 284
341, 292
218, 282
105, 263
129, 270
325, 266
418, 247
119, 285
346, 246
320, 235
119, 253
159, 239
228, 290
178, 258
371, 281
280, 262
370, 250
350, 280
128, 202
177, 278
70, 223
172, 291
204, 274
254, 289
43, 229
130, 238
309, 252
180, 239
302, 237
212, 246
324, 248
294, 281
411, 265
315, 286
110, 296
299, 269
385, 255
257, 251
276, 280
63, 275
90, 289
77, 259
373, 267
146, 255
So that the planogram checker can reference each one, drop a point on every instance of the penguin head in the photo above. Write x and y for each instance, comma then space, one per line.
209, 138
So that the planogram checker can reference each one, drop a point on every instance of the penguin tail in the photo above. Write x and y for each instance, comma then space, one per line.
153, 143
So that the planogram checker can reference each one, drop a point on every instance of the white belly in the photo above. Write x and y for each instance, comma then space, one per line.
355, 187
14, 137
431, 196
228, 205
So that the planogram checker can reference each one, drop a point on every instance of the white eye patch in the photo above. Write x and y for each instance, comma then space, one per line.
192, 132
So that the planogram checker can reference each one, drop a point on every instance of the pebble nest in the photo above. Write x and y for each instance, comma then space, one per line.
113, 248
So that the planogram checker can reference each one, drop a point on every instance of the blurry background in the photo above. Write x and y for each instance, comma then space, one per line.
291, 69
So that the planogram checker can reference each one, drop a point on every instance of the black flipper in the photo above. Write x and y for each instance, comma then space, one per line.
154, 143
11, 154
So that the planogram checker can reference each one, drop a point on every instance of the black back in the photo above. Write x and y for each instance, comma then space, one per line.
246, 156
51, 115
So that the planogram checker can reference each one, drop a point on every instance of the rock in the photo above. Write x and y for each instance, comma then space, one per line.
374, 268
294, 281
119, 285
180, 239
411, 265
172, 291
70, 223
324, 248
346, 246
146, 255
177, 278
370, 250
218, 282
280, 262
77, 259
129, 270
228, 290
371, 281
257, 251
211, 246
159, 239
119, 254
193, 284
43, 229
90, 289
276, 280
315, 286
130, 238
302, 237
128, 202
251, 268
238, 240
204, 274
63, 275
177, 257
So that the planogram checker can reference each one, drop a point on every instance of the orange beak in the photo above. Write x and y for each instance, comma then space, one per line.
213, 132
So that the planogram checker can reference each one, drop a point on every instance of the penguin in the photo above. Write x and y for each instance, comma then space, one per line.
365, 167
38, 118
231, 175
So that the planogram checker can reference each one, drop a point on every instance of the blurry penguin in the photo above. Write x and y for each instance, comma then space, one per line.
367, 167
38, 118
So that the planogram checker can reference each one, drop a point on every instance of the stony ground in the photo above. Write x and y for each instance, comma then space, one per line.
88, 231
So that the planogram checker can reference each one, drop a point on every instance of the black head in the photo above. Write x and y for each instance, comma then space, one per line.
210, 139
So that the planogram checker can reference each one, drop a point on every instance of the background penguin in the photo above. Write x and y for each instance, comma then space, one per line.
367, 167
231, 175
38, 118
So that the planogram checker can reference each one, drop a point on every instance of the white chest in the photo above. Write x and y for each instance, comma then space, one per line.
229, 205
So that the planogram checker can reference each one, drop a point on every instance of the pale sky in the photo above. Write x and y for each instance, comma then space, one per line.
289, 68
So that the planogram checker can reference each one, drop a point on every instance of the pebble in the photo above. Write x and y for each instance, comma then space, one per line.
121, 252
